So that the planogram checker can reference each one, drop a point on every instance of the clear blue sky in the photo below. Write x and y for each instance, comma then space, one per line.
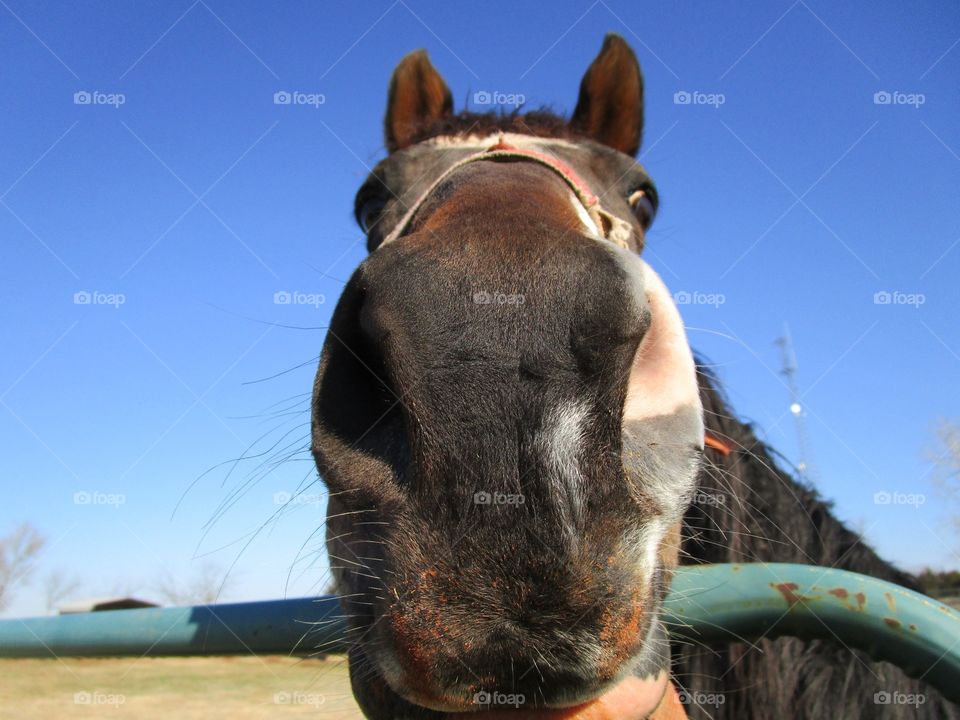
197, 199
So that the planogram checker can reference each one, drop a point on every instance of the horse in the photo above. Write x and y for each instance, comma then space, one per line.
511, 425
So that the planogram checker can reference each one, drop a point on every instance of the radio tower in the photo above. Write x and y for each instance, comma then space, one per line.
805, 465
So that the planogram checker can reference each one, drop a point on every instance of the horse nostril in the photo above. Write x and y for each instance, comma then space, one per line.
595, 347
611, 326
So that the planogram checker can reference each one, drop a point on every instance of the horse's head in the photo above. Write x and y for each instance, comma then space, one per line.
506, 412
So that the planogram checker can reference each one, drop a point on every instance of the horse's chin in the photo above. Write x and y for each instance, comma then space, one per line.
634, 696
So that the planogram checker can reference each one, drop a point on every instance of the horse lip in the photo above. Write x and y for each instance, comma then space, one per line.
467, 707
632, 698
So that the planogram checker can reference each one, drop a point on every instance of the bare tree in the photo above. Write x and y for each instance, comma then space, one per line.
208, 585
947, 452
946, 459
57, 587
19, 550
125, 587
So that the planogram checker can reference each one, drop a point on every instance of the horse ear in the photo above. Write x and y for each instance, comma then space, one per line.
418, 97
610, 107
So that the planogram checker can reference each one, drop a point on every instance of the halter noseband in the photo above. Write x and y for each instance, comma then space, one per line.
607, 225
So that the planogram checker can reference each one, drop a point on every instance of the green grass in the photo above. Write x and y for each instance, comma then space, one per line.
238, 688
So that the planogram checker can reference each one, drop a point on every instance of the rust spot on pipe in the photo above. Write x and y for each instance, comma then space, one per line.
892, 622
854, 602
891, 602
789, 592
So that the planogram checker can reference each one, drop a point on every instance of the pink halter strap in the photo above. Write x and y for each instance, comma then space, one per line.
607, 225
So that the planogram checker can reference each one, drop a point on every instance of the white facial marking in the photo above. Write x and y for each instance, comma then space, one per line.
561, 444
644, 544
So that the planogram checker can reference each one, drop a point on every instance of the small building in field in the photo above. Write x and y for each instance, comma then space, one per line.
103, 603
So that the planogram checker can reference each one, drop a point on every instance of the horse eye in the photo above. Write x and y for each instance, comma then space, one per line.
370, 213
644, 205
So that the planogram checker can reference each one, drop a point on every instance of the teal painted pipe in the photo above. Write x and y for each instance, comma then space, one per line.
275, 626
721, 603
707, 603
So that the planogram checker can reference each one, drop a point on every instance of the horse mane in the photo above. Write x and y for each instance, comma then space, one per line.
752, 510
538, 123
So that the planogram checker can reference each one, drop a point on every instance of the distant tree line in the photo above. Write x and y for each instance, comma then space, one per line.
22, 548
940, 584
